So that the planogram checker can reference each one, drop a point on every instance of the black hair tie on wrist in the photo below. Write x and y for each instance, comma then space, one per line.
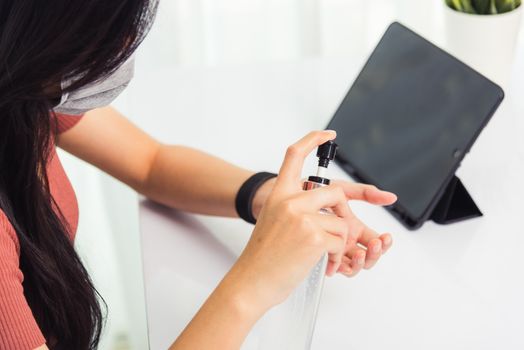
246, 193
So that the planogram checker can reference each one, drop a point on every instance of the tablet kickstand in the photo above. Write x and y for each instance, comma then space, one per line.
455, 204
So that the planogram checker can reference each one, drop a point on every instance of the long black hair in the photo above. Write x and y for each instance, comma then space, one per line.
41, 44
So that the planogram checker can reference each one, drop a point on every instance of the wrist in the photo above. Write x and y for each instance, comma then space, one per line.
239, 294
261, 196
226, 317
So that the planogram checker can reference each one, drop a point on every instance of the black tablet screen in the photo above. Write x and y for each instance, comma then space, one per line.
410, 116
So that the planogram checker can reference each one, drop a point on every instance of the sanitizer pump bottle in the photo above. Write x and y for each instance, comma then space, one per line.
290, 326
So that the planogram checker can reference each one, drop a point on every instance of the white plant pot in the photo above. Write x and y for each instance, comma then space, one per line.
485, 42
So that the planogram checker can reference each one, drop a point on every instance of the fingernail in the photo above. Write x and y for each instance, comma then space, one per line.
377, 248
331, 131
361, 260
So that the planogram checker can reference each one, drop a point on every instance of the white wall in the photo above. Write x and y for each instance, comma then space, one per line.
212, 32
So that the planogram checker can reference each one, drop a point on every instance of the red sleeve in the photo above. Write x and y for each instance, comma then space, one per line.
66, 122
18, 328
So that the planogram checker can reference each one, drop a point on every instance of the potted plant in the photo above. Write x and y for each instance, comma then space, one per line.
483, 34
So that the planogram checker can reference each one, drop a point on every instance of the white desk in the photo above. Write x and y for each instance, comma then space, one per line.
442, 287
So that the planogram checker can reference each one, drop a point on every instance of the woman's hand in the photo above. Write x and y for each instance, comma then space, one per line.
364, 246
291, 235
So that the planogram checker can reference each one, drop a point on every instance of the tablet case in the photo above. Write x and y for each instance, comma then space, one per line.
455, 204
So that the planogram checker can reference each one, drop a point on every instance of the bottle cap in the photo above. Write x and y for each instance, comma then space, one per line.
326, 153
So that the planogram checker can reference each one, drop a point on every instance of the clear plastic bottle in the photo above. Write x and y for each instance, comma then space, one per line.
291, 325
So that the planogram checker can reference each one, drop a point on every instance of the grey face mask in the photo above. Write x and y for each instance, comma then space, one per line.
97, 94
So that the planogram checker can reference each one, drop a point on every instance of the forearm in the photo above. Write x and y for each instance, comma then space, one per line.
224, 320
176, 176
194, 181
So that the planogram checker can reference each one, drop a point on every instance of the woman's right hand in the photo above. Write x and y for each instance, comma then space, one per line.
291, 235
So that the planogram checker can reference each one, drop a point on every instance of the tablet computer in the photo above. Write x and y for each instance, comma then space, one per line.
410, 117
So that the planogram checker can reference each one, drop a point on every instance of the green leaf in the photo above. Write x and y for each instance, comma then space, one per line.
492, 7
456, 5
468, 7
481, 6
505, 5
451, 5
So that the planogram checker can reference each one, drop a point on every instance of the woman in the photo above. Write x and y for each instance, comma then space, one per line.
61, 59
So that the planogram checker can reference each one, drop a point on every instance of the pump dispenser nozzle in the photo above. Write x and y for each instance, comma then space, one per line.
325, 153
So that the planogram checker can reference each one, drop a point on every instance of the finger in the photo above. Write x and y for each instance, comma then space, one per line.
345, 266
334, 245
354, 228
331, 223
368, 193
371, 241
291, 169
332, 197
343, 212
365, 234
387, 242
357, 260
373, 253
336, 226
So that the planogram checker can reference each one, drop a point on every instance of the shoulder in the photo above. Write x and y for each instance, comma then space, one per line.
65, 122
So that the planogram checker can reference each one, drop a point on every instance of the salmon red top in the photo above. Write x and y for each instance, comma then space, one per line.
18, 328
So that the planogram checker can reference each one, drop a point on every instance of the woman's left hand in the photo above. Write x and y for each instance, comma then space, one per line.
365, 246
